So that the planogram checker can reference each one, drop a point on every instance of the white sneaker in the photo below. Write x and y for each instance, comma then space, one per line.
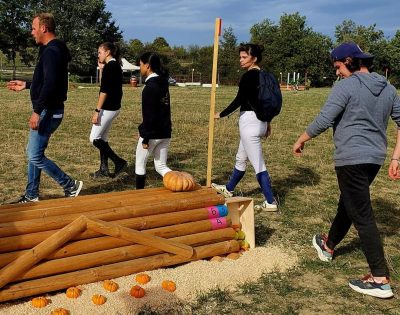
222, 190
269, 206
25, 199
74, 190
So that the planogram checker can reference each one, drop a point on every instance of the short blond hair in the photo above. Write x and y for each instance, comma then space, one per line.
47, 19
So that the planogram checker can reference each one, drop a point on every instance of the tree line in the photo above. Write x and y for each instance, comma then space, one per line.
290, 45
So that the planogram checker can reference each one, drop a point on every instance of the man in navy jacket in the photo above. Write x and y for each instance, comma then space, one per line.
48, 91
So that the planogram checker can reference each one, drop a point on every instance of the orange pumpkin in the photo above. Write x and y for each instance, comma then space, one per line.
73, 292
168, 285
40, 302
60, 311
137, 292
110, 286
99, 299
142, 278
179, 181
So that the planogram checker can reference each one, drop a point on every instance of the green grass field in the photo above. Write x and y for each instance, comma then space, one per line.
306, 188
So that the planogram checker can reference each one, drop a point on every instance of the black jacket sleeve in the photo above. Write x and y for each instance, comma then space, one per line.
247, 93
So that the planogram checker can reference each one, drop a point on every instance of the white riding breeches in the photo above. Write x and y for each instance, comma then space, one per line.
102, 129
159, 149
251, 130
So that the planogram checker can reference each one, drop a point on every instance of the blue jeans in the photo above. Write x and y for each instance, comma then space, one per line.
37, 161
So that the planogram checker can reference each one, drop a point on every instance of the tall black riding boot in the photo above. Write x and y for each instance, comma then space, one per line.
119, 163
103, 171
140, 181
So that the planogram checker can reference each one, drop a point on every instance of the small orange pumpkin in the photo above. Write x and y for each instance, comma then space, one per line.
40, 302
168, 285
99, 299
142, 278
60, 311
110, 286
179, 181
137, 292
73, 292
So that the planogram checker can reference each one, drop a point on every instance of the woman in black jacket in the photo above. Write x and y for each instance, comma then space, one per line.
108, 108
155, 130
251, 129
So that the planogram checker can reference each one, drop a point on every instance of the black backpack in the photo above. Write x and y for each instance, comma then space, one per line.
269, 96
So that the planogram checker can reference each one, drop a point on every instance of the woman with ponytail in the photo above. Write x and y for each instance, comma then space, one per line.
108, 108
155, 130
251, 129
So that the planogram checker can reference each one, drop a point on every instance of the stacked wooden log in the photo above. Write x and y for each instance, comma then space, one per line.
54, 244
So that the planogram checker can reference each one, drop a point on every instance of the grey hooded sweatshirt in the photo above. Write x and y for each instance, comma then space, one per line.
358, 109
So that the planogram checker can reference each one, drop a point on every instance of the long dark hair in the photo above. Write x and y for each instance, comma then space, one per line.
154, 62
114, 50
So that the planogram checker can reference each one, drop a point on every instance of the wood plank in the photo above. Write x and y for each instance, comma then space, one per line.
134, 236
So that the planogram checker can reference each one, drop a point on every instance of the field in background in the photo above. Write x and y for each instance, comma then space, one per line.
306, 188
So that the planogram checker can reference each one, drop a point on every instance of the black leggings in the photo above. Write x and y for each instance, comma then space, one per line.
355, 208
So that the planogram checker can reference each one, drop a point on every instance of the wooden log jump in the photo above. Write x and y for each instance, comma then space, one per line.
100, 201
120, 254
106, 242
14, 243
110, 214
58, 282
54, 244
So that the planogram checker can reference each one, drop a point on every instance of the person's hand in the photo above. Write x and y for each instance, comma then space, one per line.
216, 116
145, 146
95, 118
298, 148
394, 171
269, 131
34, 121
16, 85
100, 65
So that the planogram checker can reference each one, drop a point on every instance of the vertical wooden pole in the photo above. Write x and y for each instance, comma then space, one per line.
217, 33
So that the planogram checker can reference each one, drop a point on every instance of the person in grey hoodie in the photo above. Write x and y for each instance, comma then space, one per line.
358, 110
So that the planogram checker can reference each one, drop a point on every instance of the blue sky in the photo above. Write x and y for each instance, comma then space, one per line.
191, 22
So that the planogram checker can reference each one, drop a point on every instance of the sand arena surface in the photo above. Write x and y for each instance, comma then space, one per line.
191, 279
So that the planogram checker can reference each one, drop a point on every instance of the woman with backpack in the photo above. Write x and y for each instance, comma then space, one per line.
155, 130
251, 129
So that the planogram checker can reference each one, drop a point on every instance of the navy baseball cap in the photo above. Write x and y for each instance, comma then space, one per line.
349, 49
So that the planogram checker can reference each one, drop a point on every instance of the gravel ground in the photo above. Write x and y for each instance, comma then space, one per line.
191, 279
